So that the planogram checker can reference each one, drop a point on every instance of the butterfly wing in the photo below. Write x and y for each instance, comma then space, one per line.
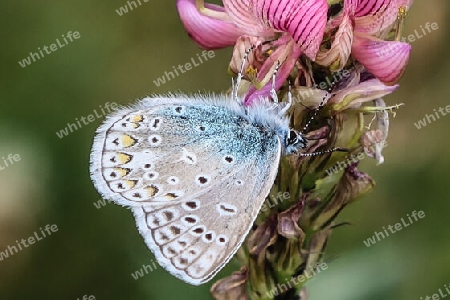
195, 174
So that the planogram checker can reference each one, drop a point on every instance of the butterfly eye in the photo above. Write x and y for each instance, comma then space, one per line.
295, 142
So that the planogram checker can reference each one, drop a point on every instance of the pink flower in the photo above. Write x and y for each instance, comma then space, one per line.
362, 25
212, 26
287, 27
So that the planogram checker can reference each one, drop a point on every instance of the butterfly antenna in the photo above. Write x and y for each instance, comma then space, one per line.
241, 74
322, 103
324, 152
316, 111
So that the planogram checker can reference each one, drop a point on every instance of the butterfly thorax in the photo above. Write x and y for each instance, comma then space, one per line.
292, 141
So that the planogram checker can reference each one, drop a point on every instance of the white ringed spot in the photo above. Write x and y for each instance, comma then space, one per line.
202, 179
209, 236
198, 230
188, 157
155, 124
239, 182
154, 140
152, 175
226, 209
191, 205
190, 220
173, 180
221, 240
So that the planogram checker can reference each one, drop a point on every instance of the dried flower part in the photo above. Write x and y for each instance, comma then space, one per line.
316, 248
288, 222
264, 236
373, 142
353, 185
382, 118
233, 287
303, 294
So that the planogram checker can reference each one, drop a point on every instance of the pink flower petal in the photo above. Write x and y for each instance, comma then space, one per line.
207, 32
287, 55
341, 47
348, 11
373, 16
386, 60
304, 20
242, 14
255, 58
356, 95
371, 7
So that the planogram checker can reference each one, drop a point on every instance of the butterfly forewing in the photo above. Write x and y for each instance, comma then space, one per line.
195, 174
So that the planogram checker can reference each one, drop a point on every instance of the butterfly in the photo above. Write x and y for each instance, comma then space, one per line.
195, 171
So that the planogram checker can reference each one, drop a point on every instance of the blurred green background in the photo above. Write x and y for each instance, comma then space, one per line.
95, 251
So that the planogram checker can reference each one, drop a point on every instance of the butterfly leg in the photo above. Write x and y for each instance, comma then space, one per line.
236, 84
273, 92
289, 102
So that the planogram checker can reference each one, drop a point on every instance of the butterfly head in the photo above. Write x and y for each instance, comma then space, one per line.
294, 142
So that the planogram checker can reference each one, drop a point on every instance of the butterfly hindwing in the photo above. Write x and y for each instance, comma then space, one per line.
193, 239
